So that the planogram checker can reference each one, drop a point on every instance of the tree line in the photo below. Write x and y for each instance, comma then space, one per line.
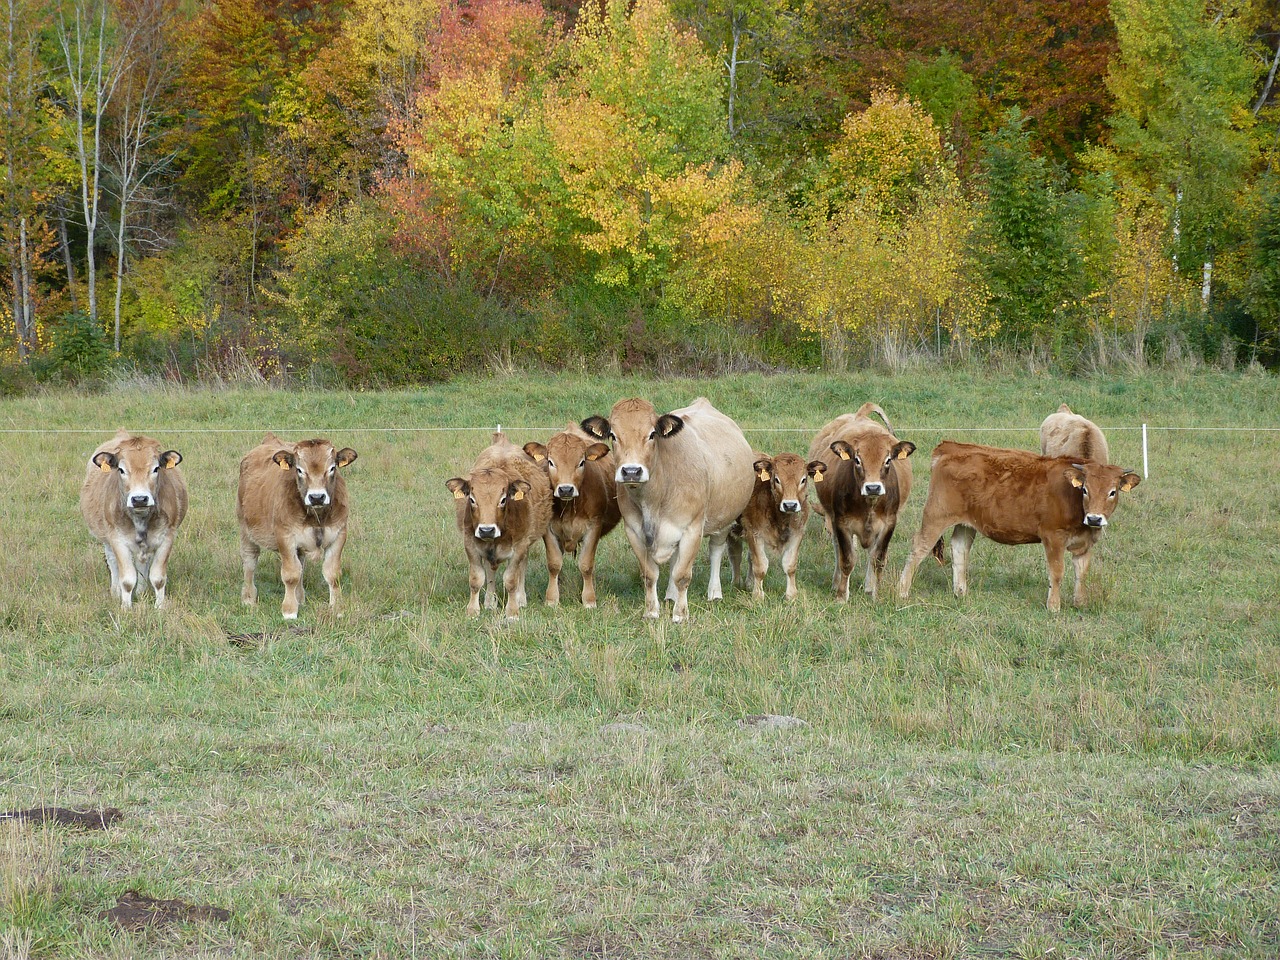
397, 190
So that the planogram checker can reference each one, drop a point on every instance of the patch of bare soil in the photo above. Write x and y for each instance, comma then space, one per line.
134, 911
62, 817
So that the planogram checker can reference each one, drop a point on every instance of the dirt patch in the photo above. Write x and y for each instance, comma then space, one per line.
254, 640
770, 721
62, 817
134, 911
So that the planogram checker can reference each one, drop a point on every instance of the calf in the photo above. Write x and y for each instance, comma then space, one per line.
503, 506
1067, 434
584, 505
867, 478
1015, 497
134, 498
293, 499
775, 517
683, 475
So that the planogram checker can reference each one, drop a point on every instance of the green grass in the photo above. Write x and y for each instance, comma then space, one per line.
977, 778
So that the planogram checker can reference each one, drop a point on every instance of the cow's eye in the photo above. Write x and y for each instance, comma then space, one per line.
472, 500
333, 469
503, 501
1112, 494
613, 436
550, 462
582, 462
156, 468
301, 472
857, 460
653, 434
1085, 491
121, 469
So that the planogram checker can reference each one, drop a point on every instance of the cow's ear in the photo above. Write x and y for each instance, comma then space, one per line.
764, 469
1129, 481
283, 459
170, 459
1075, 476
903, 449
669, 425
104, 461
597, 451
346, 456
537, 451
597, 427
842, 450
519, 488
816, 469
459, 487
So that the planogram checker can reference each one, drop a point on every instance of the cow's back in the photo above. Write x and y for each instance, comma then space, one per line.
712, 455
1067, 434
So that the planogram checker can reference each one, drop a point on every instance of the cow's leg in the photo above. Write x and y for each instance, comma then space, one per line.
158, 573
476, 580
962, 537
877, 551
760, 567
113, 568
737, 577
291, 575
249, 552
682, 571
1055, 557
490, 586
128, 573
930, 532
844, 561
648, 572
555, 562
1082, 568
332, 567
790, 560
513, 583
587, 565
715, 552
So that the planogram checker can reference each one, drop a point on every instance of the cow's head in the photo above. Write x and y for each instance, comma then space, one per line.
788, 478
137, 466
489, 495
872, 456
565, 458
1100, 486
314, 464
636, 430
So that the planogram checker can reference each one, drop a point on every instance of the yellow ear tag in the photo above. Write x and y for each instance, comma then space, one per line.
458, 494
902, 454
763, 475
844, 454
1077, 482
539, 457
518, 495
105, 466
284, 464
817, 477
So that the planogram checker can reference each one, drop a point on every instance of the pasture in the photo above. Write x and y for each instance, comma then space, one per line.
976, 778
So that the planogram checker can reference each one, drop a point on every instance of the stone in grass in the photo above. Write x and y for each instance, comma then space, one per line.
62, 817
771, 721
135, 910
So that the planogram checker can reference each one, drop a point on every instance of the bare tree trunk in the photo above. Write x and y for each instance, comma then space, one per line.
119, 276
736, 27
28, 327
1271, 78
65, 244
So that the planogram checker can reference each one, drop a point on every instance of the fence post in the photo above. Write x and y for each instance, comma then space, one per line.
1145, 474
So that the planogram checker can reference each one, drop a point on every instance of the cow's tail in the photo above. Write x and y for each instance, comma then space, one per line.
868, 408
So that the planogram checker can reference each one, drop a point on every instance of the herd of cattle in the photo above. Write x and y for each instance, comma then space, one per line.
671, 479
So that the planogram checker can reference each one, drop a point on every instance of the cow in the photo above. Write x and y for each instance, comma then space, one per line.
682, 475
1016, 497
1067, 434
502, 507
584, 505
866, 478
292, 499
134, 498
775, 517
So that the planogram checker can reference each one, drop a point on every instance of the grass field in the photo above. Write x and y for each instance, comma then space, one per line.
976, 778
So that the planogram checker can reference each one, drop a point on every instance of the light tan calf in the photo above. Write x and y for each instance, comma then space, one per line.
1067, 434
134, 498
681, 476
293, 499
503, 508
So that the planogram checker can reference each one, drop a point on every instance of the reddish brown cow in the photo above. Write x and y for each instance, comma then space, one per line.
503, 508
1016, 497
775, 518
867, 480
292, 499
133, 498
584, 505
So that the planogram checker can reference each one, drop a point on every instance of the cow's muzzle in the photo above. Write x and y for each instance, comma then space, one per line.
566, 491
140, 501
632, 473
317, 499
1094, 520
488, 531
872, 489
789, 506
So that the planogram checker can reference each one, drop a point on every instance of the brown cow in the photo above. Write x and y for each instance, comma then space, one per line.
134, 499
867, 478
775, 517
1067, 434
1015, 497
293, 499
503, 506
584, 505
682, 475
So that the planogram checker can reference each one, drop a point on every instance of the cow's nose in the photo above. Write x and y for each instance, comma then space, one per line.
140, 500
487, 531
872, 489
631, 471
790, 506
566, 491
1094, 520
317, 499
